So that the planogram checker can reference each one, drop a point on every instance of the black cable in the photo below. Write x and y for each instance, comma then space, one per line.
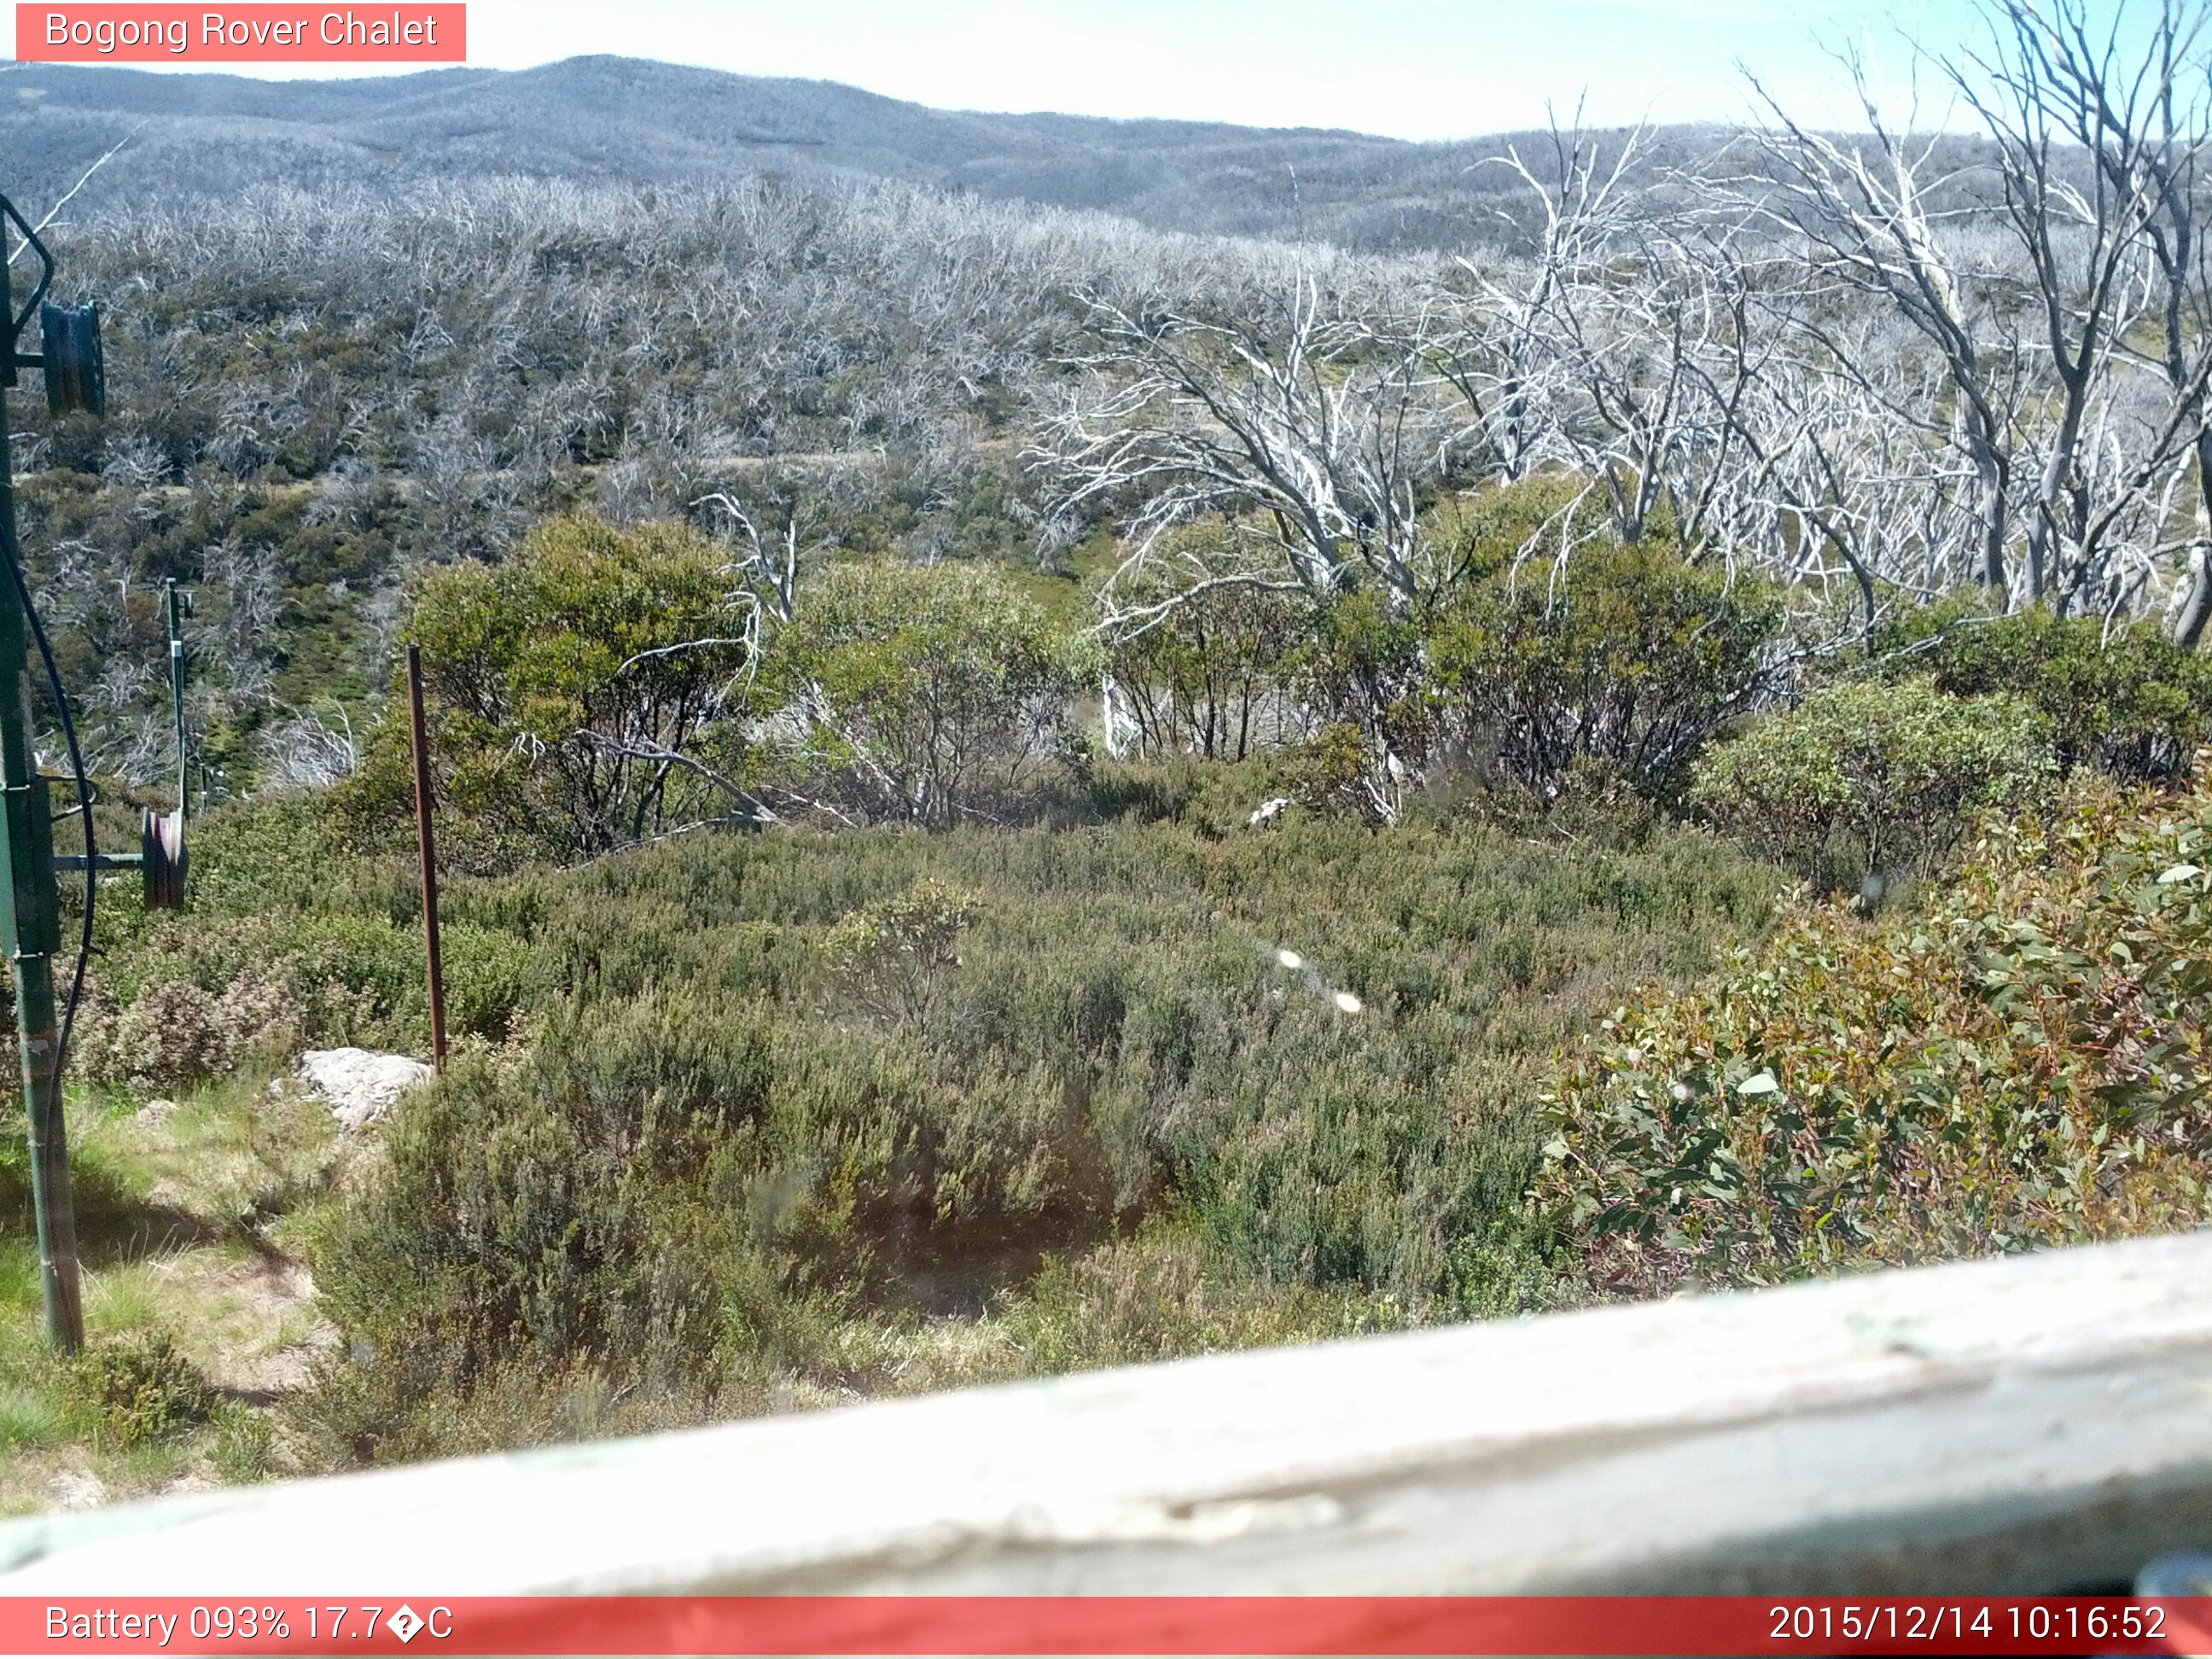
84, 802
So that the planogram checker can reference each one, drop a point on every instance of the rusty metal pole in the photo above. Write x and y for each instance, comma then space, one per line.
429, 855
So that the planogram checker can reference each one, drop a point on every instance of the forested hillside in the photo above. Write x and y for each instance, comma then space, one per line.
625, 121
1020, 788
316, 395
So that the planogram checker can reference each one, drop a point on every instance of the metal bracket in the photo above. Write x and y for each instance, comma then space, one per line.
10, 359
164, 858
32, 927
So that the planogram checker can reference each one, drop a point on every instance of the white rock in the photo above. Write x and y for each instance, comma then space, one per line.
358, 1086
77, 1489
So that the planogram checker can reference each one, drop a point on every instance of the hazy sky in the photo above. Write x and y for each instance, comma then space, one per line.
1416, 69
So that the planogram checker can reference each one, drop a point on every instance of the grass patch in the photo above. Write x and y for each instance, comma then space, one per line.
196, 1320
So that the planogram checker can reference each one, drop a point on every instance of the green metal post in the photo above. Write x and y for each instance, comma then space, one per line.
30, 906
30, 932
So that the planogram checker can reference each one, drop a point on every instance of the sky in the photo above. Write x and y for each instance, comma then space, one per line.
1411, 69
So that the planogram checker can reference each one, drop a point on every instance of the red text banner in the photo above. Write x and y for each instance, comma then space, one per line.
266, 33
1229, 1625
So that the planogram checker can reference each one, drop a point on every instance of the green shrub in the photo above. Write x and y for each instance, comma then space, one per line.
2020, 1060
930, 692
892, 955
1867, 780
700, 1173
289, 942
144, 1390
174, 1034
280, 851
1624, 660
575, 693
2121, 698
539, 1213
244, 1447
1205, 676
1331, 771
1362, 664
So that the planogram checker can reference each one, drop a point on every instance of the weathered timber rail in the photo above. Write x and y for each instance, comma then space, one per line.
2034, 1424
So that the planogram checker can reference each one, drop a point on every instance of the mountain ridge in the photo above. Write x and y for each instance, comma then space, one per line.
611, 119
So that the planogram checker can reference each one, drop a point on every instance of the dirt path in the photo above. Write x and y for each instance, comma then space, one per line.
257, 1333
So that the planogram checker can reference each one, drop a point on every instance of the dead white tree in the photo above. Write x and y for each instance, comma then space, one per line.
1504, 356
2054, 275
1877, 213
53, 213
1658, 350
305, 750
1631, 351
2146, 122
1865, 487
1310, 430
2054, 93
766, 568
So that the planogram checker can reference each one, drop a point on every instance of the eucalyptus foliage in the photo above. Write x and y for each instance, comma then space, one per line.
928, 693
1869, 780
2120, 696
2020, 1060
572, 690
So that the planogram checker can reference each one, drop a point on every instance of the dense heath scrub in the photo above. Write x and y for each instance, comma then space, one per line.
752, 1117
750, 1120
2018, 1059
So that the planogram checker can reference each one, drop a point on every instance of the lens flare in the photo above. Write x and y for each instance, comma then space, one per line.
1308, 976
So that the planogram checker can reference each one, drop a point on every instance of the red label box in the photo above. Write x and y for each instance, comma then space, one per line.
1164, 1626
261, 33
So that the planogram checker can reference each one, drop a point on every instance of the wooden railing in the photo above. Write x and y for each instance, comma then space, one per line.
2034, 1424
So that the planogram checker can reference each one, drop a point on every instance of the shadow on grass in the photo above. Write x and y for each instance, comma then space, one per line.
943, 1271
115, 1226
